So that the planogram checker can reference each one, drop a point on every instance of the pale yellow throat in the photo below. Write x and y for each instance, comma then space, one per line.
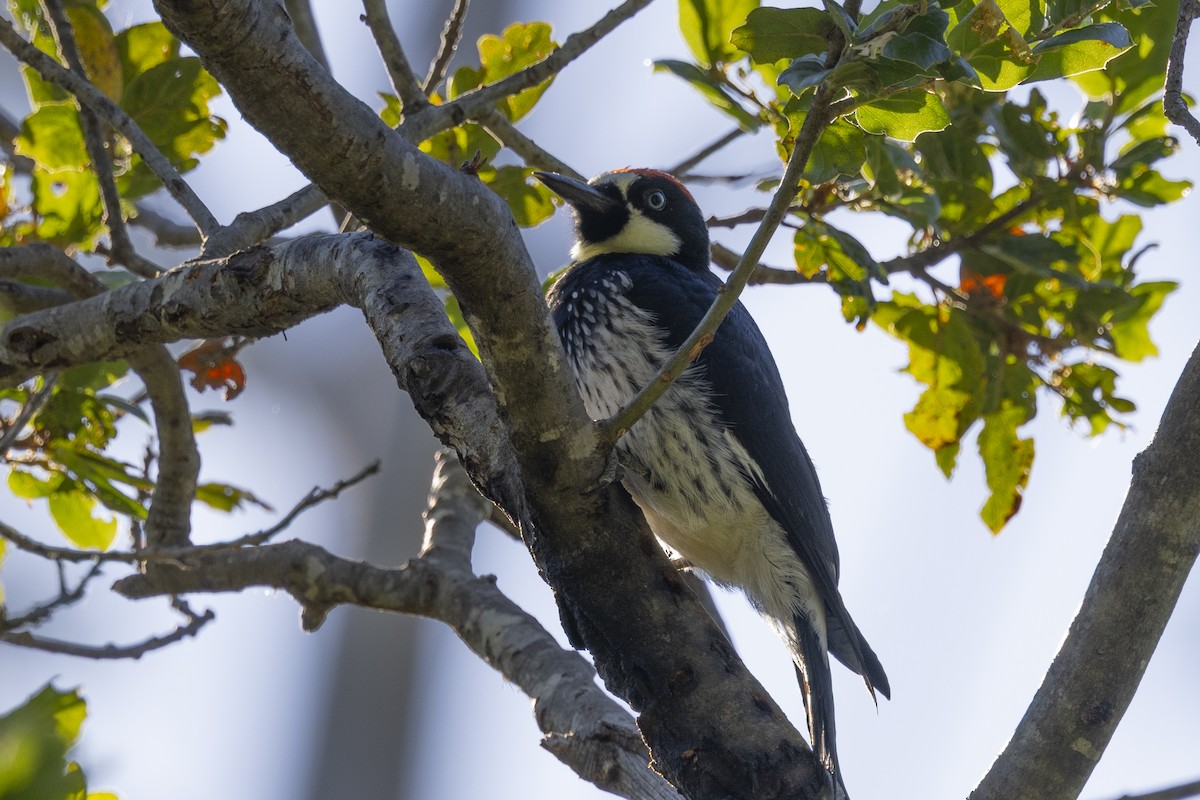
640, 235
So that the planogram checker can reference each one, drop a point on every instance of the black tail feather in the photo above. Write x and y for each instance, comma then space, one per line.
816, 686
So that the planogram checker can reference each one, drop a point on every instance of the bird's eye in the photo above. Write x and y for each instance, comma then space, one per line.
656, 200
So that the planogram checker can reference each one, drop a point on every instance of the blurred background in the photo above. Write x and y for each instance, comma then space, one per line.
382, 706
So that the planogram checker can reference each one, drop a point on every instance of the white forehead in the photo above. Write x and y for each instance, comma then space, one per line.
622, 180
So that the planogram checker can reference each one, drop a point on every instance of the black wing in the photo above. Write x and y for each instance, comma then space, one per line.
749, 395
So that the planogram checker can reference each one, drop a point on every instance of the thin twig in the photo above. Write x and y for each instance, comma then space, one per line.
682, 169
728, 260
109, 652
434, 118
816, 120
122, 250
93, 98
530, 151
179, 555
1174, 105
404, 80
28, 411
451, 35
42, 612
1179, 792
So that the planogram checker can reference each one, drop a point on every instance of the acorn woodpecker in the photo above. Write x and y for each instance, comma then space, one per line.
716, 464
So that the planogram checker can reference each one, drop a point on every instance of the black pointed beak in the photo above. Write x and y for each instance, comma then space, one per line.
578, 194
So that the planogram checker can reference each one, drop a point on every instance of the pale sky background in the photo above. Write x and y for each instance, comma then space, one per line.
965, 623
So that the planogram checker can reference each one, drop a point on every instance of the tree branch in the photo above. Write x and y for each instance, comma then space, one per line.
404, 80
1174, 105
451, 35
435, 118
1131, 596
652, 643
110, 652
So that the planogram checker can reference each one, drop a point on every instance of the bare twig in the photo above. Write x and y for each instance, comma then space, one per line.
451, 35
88, 95
181, 555
110, 651
67, 596
530, 151
121, 250
728, 260
314, 498
1179, 792
28, 411
816, 120
1174, 105
434, 118
684, 167
404, 80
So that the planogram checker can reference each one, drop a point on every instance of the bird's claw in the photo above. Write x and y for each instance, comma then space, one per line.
613, 473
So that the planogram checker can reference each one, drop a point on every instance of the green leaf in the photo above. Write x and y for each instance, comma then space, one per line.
73, 512
1130, 328
51, 136
841, 19
30, 487
67, 205
1150, 188
97, 49
838, 151
903, 116
521, 45
1080, 50
531, 203
1131, 79
35, 738
454, 312
945, 356
707, 26
918, 49
711, 87
803, 73
142, 47
1007, 461
773, 34
226, 498
169, 101
204, 420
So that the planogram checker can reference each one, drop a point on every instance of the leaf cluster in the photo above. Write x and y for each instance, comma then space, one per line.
139, 68
1024, 231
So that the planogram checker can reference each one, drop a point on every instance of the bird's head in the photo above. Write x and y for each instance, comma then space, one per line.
634, 211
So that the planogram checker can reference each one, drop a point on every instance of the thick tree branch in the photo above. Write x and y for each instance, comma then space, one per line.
1127, 605
267, 290
582, 726
652, 643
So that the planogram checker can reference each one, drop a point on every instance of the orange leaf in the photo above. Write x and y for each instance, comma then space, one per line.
971, 282
214, 366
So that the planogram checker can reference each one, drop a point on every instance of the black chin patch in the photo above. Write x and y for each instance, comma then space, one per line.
595, 227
